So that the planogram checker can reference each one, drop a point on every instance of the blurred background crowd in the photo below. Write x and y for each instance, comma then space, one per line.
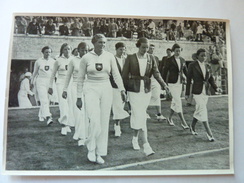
131, 28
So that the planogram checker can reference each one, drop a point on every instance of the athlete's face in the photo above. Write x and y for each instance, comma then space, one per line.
202, 56
151, 49
168, 53
177, 51
143, 48
83, 51
120, 51
67, 51
100, 44
47, 53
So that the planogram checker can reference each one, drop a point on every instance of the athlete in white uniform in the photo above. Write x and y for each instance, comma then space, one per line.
24, 91
155, 90
118, 105
42, 73
71, 82
60, 68
97, 90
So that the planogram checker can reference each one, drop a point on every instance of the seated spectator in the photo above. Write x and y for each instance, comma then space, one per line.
127, 31
87, 27
104, 27
188, 34
97, 26
120, 28
63, 29
33, 27
49, 27
21, 24
75, 28
180, 32
141, 30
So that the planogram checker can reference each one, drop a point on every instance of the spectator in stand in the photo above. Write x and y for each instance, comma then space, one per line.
104, 27
199, 32
127, 31
141, 30
21, 24
50, 27
216, 65
151, 27
97, 26
180, 31
188, 34
33, 27
113, 28
63, 29
75, 28
87, 27
120, 27
194, 29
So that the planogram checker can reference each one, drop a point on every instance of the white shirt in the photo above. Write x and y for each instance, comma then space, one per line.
179, 65
98, 69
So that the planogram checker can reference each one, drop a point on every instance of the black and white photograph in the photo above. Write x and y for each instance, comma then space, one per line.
95, 94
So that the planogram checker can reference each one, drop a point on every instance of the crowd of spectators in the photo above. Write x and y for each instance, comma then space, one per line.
173, 30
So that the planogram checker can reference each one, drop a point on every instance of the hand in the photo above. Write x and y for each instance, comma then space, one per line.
186, 97
50, 91
219, 90
64, 95
31, 86
123, 96
79, 103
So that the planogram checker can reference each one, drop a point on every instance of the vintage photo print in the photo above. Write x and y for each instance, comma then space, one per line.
118, 95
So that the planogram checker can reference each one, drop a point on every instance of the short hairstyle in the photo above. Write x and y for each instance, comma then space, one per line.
200, 51
62, 48
175, 46
152, 45
119, 45
82, 45
96, 37
168, 49
140, 41
73, 51
194, 56
46, 48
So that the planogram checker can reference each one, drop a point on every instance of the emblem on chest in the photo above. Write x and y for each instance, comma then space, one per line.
99, 66
46, 67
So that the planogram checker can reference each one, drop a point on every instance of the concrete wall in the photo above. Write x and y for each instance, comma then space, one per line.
29, 47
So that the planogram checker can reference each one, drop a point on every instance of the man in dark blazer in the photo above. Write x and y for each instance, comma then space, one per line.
201, 75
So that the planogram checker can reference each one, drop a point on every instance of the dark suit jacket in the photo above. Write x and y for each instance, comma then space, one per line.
64, 30
162, 64
114, 85
171, 70
131, 74
195, 74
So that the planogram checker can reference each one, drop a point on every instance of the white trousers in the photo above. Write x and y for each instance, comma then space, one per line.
42, 85
80, 118
201, 112
98, 103
176, 104
118, 106
139, 103
66, 112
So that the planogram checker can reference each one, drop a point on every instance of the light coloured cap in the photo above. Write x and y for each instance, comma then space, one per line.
28, 74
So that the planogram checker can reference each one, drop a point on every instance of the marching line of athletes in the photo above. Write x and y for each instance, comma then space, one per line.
92, 83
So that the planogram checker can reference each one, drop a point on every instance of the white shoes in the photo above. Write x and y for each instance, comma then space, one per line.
65, 130
147, 149
161, 117
117, 130
135, 144
49, 121
91, 156
100, 160
211, 139
81, 142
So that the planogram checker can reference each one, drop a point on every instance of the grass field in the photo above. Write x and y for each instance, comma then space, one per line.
31, 145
